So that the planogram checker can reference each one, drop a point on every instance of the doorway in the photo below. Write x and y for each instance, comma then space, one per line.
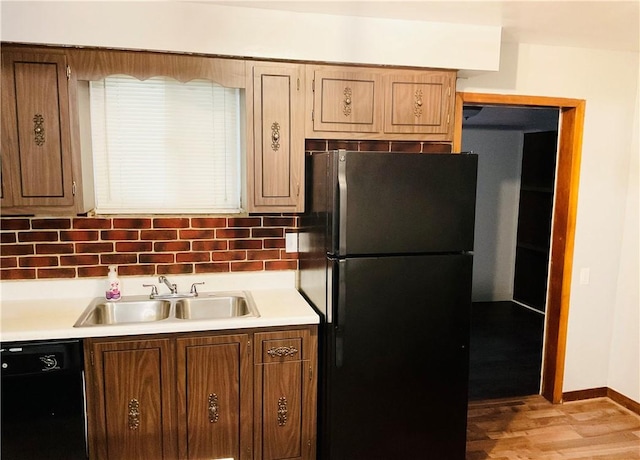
564, 215
517, 149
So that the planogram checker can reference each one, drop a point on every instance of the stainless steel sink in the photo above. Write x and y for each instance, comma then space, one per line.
141, 309
125, 311
215, 307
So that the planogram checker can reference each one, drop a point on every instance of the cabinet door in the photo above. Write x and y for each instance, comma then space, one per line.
285, 395
276, 162
420, 103
130, 394
36, 149
282, 410
214, 397
347, 101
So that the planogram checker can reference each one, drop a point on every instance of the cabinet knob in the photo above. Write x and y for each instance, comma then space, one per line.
417, 103
38, 129
134, 414
213, 408
282, 411
346, 108
275, 136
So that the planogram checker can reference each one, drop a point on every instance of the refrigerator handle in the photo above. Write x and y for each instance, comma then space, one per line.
340, 317
342, 201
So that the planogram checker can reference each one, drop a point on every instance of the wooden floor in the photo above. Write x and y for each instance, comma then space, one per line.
532, 428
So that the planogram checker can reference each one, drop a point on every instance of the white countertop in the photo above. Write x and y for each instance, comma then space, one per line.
40, 310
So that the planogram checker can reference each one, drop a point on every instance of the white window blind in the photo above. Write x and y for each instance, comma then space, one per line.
161, 146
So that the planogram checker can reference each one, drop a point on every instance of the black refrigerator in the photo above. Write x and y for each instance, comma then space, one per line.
385, 259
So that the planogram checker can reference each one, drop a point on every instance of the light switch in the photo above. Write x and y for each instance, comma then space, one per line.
585, 273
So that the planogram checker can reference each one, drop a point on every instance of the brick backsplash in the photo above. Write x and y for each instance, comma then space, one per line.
378, 146
38, 248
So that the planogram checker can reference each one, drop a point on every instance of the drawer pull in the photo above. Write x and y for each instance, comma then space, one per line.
282, 411
281, 352
214, 415
134, 414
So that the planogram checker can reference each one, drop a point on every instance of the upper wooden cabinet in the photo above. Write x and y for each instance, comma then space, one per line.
370, 103
419, 103
46, 135
347, 101
36, 137
275, 144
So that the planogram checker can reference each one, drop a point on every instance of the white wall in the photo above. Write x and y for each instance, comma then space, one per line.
499, 164
624, 357
236, 31
607, 80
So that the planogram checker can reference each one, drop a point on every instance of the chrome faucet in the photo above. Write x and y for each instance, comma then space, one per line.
172, 287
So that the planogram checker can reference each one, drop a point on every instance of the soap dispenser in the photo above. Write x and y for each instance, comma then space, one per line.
113, 290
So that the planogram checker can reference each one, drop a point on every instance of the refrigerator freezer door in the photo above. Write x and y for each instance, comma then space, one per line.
394, 203
396, 359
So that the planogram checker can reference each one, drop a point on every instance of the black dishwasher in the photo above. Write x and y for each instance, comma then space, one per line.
43, 412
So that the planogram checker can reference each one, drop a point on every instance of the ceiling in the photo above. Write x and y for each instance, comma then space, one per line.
605, 24
519, 118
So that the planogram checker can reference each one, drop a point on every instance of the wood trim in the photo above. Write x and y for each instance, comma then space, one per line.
623, 400
562, 245
457, 122
564, 220
97, 64
602, 392
518, 100
580, 395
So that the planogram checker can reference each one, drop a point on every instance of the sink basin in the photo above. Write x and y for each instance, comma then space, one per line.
124, 311
141, 309
215, 307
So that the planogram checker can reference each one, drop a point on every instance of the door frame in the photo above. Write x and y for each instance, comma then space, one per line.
564, 220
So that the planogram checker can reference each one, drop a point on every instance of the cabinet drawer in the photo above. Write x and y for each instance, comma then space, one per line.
282, 350
282, 346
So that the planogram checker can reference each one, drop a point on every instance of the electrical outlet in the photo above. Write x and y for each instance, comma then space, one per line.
291, 240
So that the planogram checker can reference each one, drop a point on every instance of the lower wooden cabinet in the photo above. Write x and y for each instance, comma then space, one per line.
214, 397
235, 394
285, 389
129, 404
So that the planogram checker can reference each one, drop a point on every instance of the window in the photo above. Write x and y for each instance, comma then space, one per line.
161, 146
